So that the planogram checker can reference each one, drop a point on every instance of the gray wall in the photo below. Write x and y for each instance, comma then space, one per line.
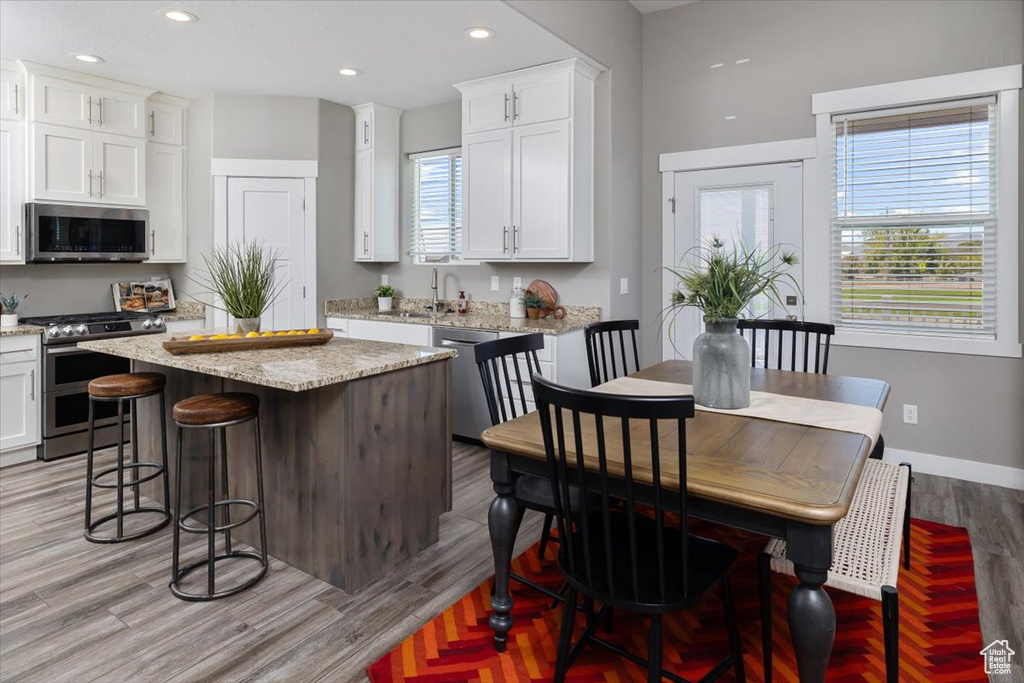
970, 407
265, 127
55, 289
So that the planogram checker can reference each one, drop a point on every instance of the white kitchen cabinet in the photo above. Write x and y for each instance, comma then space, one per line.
19, 392
74, 165
377, 182
12, 95
540, 205
562, 360
397, 333
165, 123
339, 326
12, 192
77, 104
487, 195
165, 188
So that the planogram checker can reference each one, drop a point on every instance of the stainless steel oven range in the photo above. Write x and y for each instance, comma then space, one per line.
67, 371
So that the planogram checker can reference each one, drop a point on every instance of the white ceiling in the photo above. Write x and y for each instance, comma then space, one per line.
410, 51
648, 6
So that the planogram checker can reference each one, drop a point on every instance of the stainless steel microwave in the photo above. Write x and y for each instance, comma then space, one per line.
60, 233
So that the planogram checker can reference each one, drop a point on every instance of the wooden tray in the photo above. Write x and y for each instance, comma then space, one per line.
181, 345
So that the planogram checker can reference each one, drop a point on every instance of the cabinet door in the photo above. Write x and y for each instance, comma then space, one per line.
364, 206
396, 333
164, 199
541, 98
165, 123
12, 197
61, 162
12, 95
364, 128
119, 164
540, 194
19, 395
487, 196
487, 108
61, 102
119, 113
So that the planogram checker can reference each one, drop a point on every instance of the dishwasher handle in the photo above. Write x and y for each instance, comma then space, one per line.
458, 342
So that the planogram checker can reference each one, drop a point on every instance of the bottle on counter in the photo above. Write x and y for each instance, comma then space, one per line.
463, 303
516, 309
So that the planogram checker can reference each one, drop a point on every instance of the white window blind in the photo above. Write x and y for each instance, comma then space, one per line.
435, 206
914, 220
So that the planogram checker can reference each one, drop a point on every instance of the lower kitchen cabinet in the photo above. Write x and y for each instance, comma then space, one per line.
20, 394
397, 333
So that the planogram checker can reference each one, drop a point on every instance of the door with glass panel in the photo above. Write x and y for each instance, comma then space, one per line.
752, 207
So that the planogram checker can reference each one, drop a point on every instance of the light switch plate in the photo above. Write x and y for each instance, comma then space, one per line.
517, 282
495, 285
383, 278
791, 300
624, 285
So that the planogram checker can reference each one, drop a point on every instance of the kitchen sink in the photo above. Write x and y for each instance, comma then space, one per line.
409, 314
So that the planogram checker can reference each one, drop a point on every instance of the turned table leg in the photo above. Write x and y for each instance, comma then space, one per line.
812, 619
503, 520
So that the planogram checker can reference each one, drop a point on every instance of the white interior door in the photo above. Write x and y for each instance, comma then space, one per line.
270, 210
752, 206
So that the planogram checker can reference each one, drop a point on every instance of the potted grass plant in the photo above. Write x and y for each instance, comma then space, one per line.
721, 283
243, 277
8, 309
385, 295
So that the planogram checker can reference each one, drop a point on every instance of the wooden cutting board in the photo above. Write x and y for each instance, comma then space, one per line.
181, 345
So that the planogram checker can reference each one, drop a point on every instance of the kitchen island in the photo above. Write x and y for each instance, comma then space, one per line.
356, 446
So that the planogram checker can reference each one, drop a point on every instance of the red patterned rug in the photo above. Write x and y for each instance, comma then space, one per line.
940, 636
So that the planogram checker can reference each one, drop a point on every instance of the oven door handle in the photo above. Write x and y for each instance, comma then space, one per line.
50, 351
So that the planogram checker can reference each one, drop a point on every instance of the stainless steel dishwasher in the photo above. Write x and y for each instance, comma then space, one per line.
470, 416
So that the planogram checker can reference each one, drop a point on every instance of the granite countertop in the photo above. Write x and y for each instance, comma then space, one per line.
186, 310
20, 329
482, 315
293, 369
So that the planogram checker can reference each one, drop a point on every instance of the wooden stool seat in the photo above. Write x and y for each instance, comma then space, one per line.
211, 409
127, 384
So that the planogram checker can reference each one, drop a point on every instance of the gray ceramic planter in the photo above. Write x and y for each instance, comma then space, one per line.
721, 367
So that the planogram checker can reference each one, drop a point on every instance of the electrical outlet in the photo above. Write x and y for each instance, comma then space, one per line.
383, 278
791, 300
624, 285
495, 286
909, 414
517, 282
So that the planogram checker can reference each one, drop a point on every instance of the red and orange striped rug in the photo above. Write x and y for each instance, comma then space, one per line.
940, 636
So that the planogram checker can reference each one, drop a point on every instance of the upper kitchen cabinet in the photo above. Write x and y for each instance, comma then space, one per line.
71, 165
528, 164
12, 94
165, 122
165, 178
85, 105
12, 196
377, 183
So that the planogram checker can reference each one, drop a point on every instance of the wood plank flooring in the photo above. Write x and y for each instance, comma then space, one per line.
76, 611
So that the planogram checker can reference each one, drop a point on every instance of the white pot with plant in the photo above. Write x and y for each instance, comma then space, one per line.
242, 276
385, 296
9, 306
722, 285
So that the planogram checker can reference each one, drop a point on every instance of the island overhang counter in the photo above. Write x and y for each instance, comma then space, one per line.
356, 446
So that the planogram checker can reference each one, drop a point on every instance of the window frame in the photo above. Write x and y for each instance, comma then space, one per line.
1002, 82
409, 178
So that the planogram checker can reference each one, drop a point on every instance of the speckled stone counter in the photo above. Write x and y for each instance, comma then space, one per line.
482, 315
293, 369
19, 329
186, 310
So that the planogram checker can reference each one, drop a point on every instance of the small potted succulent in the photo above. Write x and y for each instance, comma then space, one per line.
534, 305
385, 294
9, 306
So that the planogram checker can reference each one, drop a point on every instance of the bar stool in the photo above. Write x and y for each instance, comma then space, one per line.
217, 412
126, 387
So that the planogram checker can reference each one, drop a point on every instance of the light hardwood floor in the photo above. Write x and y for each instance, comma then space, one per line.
75, 611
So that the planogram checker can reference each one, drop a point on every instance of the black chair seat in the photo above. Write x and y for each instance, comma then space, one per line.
708, 562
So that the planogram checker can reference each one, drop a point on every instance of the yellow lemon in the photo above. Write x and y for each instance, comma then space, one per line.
292, 332
300, 332
314, 330
267, 334
196, 337
234, 336
250, 335
282, 333
219, 336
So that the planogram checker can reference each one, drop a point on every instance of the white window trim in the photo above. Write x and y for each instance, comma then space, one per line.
1005, 83
410, 259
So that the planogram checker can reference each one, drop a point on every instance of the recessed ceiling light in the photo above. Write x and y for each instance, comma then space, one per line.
349, 72
180, 16
479, 32
89, 59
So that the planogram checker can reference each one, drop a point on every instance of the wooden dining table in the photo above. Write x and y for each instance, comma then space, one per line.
778, 479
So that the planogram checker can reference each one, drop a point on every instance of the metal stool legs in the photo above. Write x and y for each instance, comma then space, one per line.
210, 528
94, 479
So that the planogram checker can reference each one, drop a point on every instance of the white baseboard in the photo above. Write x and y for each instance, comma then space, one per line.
968, 470
16, 456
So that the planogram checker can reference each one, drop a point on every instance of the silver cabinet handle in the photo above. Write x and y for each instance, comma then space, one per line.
90, 110
101, 110
99, 177
31, 385
515, 239
15, 98
504, 239
90, 183
152, 242
366, 132
17, 239
152, 124
515, 105
366, 247
506, 106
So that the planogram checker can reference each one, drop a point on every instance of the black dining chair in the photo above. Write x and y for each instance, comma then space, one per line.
607, 353
621, 557
505, 366
794, 345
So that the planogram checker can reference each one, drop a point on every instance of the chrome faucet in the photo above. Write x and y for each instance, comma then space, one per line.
434, 304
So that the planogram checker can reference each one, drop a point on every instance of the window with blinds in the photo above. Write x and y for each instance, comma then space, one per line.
435, 206
914, 220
